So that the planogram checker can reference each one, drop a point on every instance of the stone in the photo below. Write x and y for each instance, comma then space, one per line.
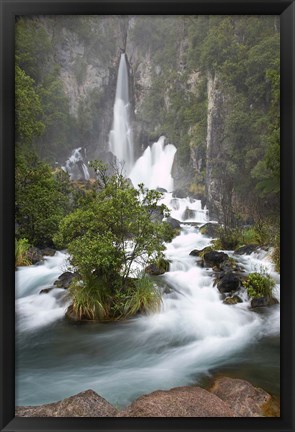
48, 252
263, 302
245, 399
246, 250
64, 280
162, 190
174, 223
232, 300
228, 283
157, 270
46, 290
34, 254
178, 402
214, 258
84, 404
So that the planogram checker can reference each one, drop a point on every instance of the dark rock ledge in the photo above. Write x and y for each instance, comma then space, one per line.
227, 397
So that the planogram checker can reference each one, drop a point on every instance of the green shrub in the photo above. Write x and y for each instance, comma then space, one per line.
228, 238
259, 285
21, 249
140, 297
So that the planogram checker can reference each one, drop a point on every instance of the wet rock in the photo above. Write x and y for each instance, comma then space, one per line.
46, 290
34, 254
162, 190
228, 283
247, 250
174, 223
232, 300
245, 399
214, 258
200, 253
84, 404
48, 252
210, 229
156, 269
263, 302
178, 402
64, 280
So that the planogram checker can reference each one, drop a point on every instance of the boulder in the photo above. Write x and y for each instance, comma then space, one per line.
174, 223
64, 280
48, 252
263, 302
210, 229
162, 190
84, 404
34, 254
232, 300
246, 250
214, 258
245, 399
46, 290
200, 253
228, 283
156, 269
178, 402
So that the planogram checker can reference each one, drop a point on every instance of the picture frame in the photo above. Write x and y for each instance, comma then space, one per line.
9, 10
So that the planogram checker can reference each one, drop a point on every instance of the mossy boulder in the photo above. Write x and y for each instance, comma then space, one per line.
158, 268
263, 302
232, 300
201, 252
247, 249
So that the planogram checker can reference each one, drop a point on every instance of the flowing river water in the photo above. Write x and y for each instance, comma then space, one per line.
192, 338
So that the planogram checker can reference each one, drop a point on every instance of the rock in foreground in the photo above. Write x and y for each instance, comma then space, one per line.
84, 404
245, 399
178, 402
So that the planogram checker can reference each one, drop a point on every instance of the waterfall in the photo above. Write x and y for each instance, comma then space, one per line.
120, 139
153, 168
76, 167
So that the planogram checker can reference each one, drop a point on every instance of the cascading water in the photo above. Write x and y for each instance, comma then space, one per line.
193, 335
153, 168
76, 167
120, 139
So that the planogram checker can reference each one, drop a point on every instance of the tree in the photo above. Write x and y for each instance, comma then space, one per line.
109, 237
42, 199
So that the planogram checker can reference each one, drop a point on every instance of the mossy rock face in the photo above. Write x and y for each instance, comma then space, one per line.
210, 229
232, 300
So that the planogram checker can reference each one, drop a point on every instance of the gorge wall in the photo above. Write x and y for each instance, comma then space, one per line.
182, 85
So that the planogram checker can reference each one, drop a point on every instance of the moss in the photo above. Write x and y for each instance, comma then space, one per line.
259, 285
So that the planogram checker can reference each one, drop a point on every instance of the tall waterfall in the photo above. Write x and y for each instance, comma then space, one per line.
120, 139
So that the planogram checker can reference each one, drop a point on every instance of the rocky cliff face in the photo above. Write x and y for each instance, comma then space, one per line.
215, 136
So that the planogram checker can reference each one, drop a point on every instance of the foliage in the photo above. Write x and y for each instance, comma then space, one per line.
28, 108
40, 199
259, 285
22, 246
113, 231
140, 297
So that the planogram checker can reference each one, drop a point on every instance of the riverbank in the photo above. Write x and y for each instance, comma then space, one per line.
227, 397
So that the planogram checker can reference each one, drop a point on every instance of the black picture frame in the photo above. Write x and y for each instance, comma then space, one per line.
9, 10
